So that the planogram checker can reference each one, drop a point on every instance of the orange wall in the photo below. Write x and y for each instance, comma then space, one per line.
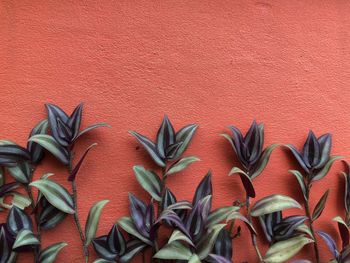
211, 62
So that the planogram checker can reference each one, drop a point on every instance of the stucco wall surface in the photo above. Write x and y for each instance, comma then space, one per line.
215, 63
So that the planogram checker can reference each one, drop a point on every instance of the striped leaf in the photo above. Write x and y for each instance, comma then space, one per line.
56, 194
273, 203
93, 220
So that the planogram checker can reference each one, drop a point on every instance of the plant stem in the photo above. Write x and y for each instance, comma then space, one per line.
308, 214
76, 215
253, 235
32, 204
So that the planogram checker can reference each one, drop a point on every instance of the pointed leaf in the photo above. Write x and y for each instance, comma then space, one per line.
330, 243
92, 127
77, 167
207, 242
93, 220
148, 181
174, 250
221, 214
18, 220
343, 230
301, 182
273, 203
264, 159
298, 157
326, 168
184, 135
181, 164
284, 250
204, 188
51, 145
150, 148
246, 181
56, 194
25, 238
128, 225
36, 151
21, 172
165, 136
49, 254
134, 247
179, 236
320, 206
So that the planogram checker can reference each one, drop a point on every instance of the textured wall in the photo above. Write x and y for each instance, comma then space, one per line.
211, 62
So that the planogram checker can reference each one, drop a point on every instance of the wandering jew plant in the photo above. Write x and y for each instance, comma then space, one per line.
316, 161
161, 226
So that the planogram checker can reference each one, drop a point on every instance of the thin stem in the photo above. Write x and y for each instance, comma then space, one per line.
32, 204
76, 215
308, 214
253, 235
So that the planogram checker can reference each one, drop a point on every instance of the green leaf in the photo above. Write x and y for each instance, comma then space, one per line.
284, 250
51, 145
101, 260
207, 242
18, 200
149, 181
246, 181
184, 135
221, 214
264, 159
326, 168
340, 220
320, 206
301, 182
237, 215
179, 236
25, 238
49, 254
273, 203
92, 221
305, 229
174, 250
56, 194
194, 259
181, 164
92, 127
21, 173
129, 227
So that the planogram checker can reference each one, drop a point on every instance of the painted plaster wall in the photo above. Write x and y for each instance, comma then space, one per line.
215, 63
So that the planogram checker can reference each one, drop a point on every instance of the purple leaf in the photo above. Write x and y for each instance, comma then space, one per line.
150, 148
204, 189
285, 229
138, 210
218, 259
77, 167
115, 240
311, 150
4, 189
238, 143
165, 136
174, 219
325, 142
330, 243
55, 113
75, 120
298, 157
